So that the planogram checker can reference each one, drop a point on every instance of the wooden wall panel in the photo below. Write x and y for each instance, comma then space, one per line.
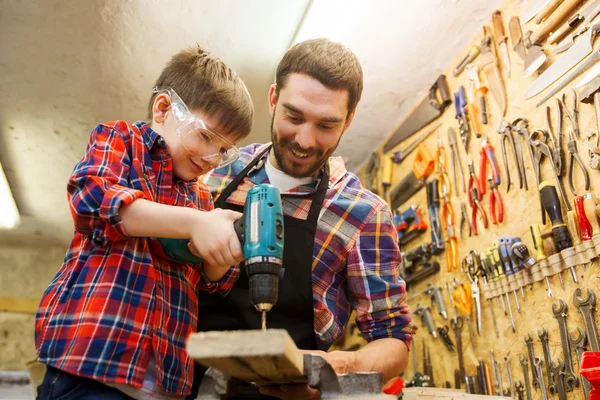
522, 209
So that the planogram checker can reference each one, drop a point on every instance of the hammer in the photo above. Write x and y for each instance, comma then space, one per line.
588, 94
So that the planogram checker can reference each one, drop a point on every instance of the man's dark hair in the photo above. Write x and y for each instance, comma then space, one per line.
332, 64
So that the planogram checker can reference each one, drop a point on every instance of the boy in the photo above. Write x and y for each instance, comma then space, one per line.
113, 322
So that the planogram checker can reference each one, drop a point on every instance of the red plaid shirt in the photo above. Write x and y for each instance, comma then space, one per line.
117, 300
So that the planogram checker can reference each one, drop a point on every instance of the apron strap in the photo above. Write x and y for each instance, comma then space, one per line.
238, 178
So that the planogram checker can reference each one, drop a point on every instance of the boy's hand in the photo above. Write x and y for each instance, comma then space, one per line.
214, 238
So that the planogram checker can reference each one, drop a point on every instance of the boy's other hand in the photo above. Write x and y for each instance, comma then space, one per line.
214, 238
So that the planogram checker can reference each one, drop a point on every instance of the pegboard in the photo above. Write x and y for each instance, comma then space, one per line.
521, 209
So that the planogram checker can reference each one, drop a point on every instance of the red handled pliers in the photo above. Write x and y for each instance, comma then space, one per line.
473, 183
474, 198
496, 206
487, 154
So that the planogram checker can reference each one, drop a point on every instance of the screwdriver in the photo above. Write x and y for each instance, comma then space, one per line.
536, 235
516, 263
507, 264
589, 205
560, 232
463, 300
574, 228
484, 275
584, 224
520, 251
495, 273
501, 274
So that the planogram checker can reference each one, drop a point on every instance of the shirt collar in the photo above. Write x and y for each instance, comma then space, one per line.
258, 175
149, 136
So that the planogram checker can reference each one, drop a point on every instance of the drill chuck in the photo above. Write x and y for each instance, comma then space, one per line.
263, 283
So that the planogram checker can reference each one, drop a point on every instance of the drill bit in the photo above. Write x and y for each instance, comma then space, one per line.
264, 320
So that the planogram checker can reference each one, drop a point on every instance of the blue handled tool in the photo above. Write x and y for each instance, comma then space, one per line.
410, 218
460, 102
260, 231
505, 243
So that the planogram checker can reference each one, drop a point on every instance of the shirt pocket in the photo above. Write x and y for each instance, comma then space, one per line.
142, 178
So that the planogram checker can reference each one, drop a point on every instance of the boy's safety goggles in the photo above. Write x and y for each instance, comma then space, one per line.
196, 137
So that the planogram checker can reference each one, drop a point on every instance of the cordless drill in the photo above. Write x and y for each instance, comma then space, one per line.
260, 232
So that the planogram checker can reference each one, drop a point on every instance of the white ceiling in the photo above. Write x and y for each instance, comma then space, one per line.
67, 65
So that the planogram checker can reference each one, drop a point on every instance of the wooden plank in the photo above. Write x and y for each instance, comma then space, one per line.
263, 357
19, 305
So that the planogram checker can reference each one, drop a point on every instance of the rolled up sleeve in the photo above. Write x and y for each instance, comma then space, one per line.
222, 286
98, 187
378, 294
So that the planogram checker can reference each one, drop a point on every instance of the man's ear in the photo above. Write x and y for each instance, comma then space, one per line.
272, 98
160, 107
349, 121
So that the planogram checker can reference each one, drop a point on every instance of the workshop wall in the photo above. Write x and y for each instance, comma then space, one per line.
521, 209
26, 272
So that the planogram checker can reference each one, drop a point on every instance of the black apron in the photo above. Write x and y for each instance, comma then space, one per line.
294, 309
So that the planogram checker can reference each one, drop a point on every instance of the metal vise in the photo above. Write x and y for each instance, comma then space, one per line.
355, 385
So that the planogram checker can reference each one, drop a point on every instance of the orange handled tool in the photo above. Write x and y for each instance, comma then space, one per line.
462, 298
424, 162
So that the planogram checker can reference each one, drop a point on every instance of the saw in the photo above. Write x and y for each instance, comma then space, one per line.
428, 110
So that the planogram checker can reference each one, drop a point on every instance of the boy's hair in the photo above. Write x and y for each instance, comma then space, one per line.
331, 63
206, 84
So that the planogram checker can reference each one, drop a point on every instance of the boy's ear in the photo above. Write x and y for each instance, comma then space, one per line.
160, 107
272, 98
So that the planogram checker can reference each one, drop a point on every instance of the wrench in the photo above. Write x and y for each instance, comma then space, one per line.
520, 390
543, 335
537, 363
535, 378
456, 324
497, 389
524, 364
511, 386
586, 308
578, 343
560, 313
559, 372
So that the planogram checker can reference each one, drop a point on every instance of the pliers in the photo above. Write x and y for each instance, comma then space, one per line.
506, 134
464, 219
557, 153
574, 116
545, 150
473, 183
487, 155
572, 148
474, 198
496, 205
456, 167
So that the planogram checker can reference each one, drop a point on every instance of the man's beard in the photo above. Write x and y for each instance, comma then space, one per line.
280, 146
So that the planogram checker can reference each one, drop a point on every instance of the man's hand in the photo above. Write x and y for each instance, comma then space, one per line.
214, 239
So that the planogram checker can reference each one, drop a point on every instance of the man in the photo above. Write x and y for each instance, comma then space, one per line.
340, 250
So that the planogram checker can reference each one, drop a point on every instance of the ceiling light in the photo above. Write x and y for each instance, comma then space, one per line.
9, 214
